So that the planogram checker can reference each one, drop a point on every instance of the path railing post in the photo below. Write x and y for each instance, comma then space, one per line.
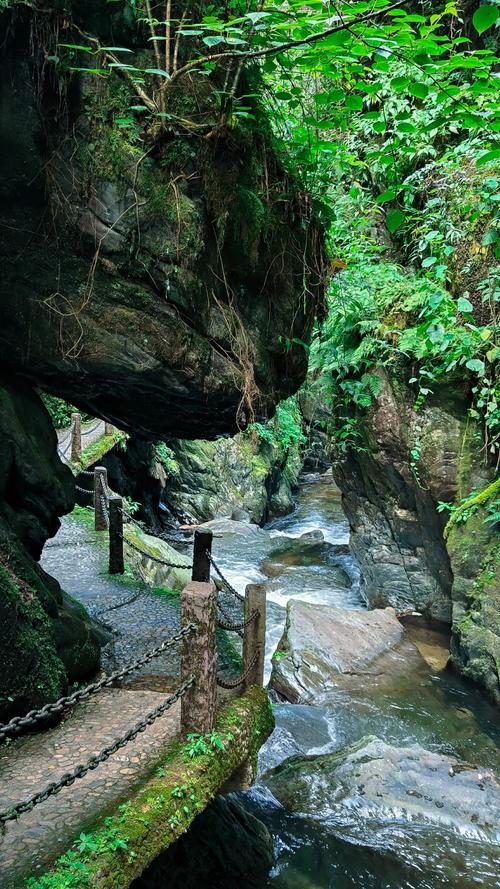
76, 437
201, 550
199, 658
108, 429
100, 484
116, 561
254, 640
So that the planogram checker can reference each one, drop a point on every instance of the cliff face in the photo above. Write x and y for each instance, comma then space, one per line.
409, 558
157, 282
154, 279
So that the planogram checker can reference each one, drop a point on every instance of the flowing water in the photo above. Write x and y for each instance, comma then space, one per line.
431, 707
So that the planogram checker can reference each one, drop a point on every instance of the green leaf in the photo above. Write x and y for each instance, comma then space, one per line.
388, 195
429, 261
464, 305
476, 365
157, 71
484, 18
488, 156
419, 90
394, 220
354, 103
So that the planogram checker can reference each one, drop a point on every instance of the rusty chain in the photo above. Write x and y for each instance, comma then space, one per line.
80, 771
229, 624
18, 723
230, 588
155, 558
234, 683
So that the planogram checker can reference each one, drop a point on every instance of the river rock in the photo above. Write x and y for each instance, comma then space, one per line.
323, 649
229, 526
224, 847
385, 795
315, 536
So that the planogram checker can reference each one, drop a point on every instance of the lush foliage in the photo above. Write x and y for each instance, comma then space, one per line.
60, 411
388, 113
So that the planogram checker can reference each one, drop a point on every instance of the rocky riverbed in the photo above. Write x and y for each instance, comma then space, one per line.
384, 774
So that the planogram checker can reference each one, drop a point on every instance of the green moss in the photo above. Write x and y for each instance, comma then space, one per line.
31, 669
476, 500
124, 844
99, 448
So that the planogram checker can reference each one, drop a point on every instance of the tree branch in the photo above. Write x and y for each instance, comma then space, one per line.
283, 47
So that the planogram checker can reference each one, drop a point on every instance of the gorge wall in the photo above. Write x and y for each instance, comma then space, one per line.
413, 556
153, 277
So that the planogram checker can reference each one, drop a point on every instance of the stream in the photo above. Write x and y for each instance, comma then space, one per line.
432, 708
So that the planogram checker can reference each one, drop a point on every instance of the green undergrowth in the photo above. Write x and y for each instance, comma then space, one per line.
187, 777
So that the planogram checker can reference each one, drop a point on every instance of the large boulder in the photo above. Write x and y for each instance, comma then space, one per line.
384, 796
151, 294
325, 649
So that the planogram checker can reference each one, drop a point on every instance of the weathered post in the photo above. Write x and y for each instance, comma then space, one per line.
100, 485
76, 437
116, 563
254, 640
199, 658
108, 429
201, 551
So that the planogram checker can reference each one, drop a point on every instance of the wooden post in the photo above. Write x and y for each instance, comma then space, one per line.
254, 640
76, 437
100, 481
108, 428
116, 563
199, 658
201, 562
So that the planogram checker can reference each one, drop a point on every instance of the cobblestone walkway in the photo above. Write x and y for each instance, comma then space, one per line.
77, 557
31, 844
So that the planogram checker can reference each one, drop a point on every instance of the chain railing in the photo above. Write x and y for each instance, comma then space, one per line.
56, 708
80, 771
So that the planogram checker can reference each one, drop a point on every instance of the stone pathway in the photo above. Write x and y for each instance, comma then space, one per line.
77, 557
32, 843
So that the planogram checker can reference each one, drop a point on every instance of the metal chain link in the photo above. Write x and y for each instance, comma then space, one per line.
83, 490
87, 472
227, 624
155, 558
105, 511
121, 604
229, 586
18, 723
93, 429
231, 625
234, 683
80, 771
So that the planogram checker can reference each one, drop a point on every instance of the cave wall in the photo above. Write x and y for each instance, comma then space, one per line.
195, 481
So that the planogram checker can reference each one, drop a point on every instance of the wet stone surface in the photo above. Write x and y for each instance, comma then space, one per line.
77, 557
